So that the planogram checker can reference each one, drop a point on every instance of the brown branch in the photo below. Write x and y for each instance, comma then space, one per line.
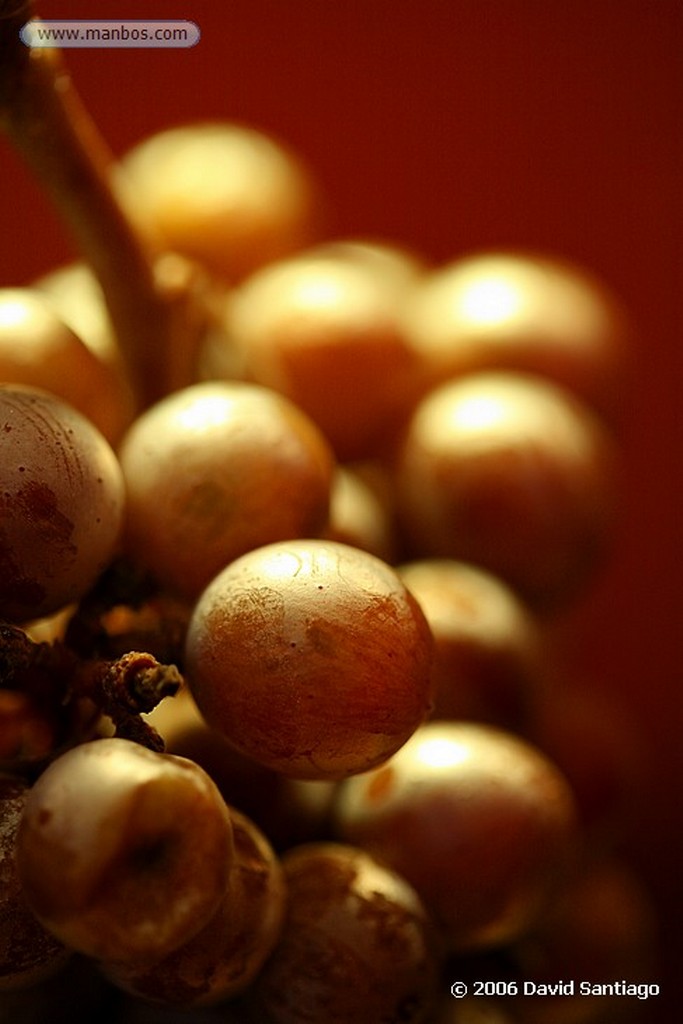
54, 678
156, 321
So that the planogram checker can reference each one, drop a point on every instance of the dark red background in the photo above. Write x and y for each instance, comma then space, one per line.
459, 124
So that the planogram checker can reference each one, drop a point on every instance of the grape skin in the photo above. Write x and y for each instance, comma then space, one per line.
479, 821
122, 852
488, 663
28, 953
357, 944
526, 312
61, 504
215, 470
222, 193
222, 960
311, 657
39, 349
512, 474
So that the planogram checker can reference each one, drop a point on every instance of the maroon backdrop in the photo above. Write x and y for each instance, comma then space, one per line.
458, 124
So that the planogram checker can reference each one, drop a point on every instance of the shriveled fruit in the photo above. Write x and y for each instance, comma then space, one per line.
124, 853
357, 944
225, 956
28, 953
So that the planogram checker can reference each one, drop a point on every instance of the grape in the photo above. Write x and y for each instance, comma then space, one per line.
124, 853
358, 517
28, 953
510, 473
477, 820
527, 312
37, 348
311, 657
61, 504
288, 810
215, 470
325, 332
221, 193
488, 662
356, 945
225, 956
77, 296
600, 930
393, 263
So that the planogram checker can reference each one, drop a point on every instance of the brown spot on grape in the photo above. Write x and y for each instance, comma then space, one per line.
16, 590
320, 638
38, 503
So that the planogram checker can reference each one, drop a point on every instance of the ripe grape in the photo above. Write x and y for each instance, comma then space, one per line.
488, 662
37, 348
356, 944
393, 263
508, 472
324, 331
225, 956
223, 194
477, 820
287, 810
358, 517
124, 853
61, 504
600, 929
28, 953
311, 657
522, 311
215, 470
75, 293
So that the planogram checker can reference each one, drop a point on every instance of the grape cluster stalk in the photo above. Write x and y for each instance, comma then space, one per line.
284, 732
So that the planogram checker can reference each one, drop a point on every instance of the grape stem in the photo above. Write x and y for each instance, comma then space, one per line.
157, 330
122, 688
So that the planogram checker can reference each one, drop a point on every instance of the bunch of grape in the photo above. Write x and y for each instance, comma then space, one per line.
286, 524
